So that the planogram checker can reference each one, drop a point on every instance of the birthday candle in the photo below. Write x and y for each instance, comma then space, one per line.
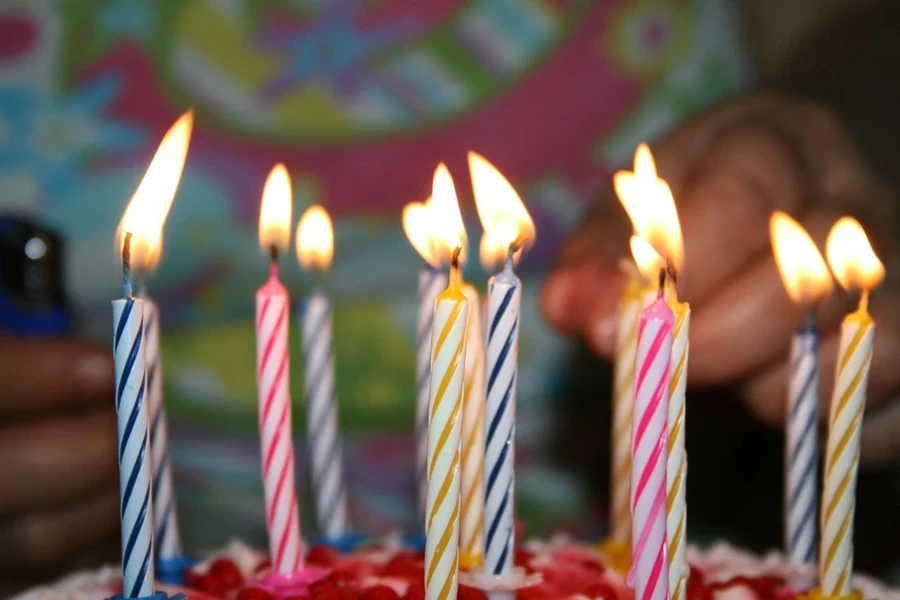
472, 495
444, 430
676, 461
165, 520
315, 246
806, 280
133, 437
648, 475
855, 266
418, 224
272, 370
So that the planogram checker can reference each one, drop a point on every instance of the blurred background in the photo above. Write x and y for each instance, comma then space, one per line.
361, 100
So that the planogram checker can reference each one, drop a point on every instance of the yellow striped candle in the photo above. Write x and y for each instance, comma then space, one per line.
676, 464
472, 496
855, 266
444, 428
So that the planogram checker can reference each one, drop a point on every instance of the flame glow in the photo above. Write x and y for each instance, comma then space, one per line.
275, 210
146, 213
315, 239
447, 228
648, 260
500, 209
802, 268
851, 257
649, 203
417, 226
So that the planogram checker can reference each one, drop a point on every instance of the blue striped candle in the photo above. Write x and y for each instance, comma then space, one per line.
322, 419
167, 540
431, 282
133, 436
802, 447
504, 303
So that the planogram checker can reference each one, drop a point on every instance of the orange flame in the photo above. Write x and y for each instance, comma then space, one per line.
275, 210
315, 239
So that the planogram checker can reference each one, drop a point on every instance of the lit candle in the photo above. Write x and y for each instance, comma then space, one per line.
649, 203
650, 569
272, 372
806, 279
140, 239
432, 279
472, 495
315, 248
856, 267
507, 229
448, 346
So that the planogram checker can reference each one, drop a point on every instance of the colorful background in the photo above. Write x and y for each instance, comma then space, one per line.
361, 100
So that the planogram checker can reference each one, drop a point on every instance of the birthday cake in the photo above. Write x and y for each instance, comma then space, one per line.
557, 568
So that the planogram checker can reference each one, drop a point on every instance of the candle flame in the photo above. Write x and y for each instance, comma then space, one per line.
446, 224
648, 260
649, 203
417, 226
803, 270
851, 258
502, 214
146, 213
315, 239
275, 210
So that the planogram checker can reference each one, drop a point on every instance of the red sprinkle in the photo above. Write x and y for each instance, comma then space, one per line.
254, 593
415, 591
211, 584
322, 556
227, 572
265, 565
325, 591
379, 592
600, 590
470, 593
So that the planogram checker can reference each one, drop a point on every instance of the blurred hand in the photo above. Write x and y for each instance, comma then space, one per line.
58, 465
729, 169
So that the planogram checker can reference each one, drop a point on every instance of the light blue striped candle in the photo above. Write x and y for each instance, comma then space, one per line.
431, 283
134, 452
322, 417
802, 447
504, 303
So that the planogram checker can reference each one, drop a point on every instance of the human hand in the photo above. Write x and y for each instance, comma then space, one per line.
729, 169
59, 500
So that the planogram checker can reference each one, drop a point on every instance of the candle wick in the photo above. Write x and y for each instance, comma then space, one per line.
126, 265
670, 269
864, 300
662, 282
454, 259
273, 253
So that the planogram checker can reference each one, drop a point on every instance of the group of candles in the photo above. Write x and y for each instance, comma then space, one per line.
649, 464
466, 387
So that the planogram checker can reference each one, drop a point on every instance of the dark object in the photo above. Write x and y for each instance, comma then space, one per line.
32, 299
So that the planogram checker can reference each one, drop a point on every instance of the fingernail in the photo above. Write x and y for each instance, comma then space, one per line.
95, 369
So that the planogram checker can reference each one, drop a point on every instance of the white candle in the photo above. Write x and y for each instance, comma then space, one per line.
444, 431
472, 498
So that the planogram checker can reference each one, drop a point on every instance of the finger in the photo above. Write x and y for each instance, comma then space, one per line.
41, 539
36, 375
49, 461
569, 292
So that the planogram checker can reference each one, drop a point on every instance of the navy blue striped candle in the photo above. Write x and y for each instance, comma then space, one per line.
802, 447
504, 303
136, 509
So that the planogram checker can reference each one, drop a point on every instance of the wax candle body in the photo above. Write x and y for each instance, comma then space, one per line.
136, 505
648, 472
623, 392
801, 449
167, 541
842, 453
676, 462
431, 282
444, 432
504, 304
277, 446
322, 417
472, 495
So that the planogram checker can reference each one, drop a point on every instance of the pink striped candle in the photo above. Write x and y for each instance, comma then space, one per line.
649, 568
272, 365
